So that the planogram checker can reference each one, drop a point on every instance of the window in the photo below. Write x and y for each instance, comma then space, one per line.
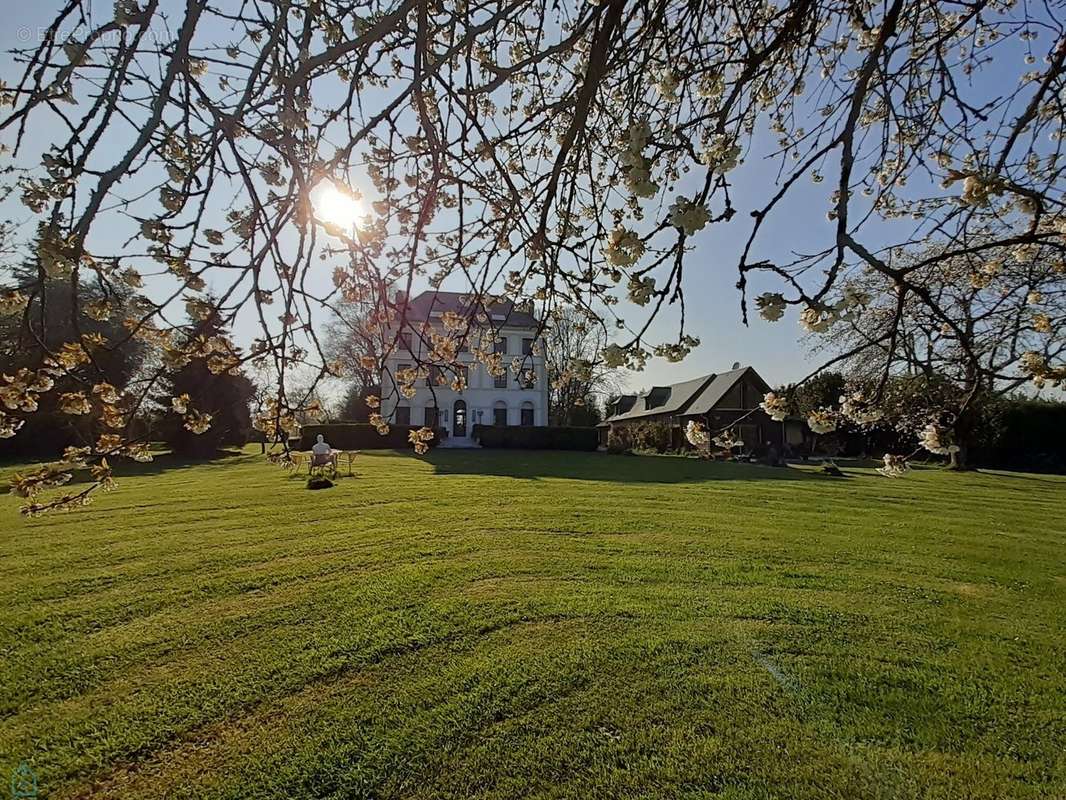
403, 415
499, 415
527, 347
462, 373
434, 377
405, 340
500, 346
431, 416
500, 381
527, 414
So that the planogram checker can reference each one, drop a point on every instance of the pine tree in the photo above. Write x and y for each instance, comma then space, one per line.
223, 394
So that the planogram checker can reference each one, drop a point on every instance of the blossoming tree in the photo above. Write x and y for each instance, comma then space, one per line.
567, 153
1008, 300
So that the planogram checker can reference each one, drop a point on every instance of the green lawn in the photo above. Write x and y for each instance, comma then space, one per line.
510, 624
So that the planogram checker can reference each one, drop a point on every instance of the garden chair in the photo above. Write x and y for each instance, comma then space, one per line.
297, 460
320, 461
349, 457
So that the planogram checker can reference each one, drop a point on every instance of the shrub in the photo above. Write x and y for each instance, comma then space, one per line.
620, 439
1026, 435
527, 437
360, 436
645, 437
656, 437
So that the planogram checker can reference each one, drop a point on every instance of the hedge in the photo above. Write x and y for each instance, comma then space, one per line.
1030, 435
528, 437
359, 436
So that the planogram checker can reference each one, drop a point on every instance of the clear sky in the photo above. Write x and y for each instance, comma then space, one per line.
712, 300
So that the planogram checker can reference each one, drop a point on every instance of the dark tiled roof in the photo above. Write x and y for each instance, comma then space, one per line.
421, 307
663, 399
697, 396
712, 395
624, 403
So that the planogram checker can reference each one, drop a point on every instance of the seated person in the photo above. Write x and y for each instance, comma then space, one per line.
322, 454
320, 448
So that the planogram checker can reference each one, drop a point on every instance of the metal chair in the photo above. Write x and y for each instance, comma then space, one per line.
349, 457
319, 461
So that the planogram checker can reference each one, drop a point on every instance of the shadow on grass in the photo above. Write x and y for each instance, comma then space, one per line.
126, 468
1049, 478
540, 464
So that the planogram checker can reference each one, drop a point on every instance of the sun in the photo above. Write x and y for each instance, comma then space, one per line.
337, 206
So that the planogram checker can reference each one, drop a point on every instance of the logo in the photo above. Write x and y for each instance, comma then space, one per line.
23, 782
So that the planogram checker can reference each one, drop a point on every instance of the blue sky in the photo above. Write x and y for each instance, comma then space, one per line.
712, 300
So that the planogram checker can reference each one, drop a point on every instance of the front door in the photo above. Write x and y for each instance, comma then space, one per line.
459, 418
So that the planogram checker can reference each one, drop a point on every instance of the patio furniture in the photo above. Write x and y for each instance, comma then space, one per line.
349, 457
320, 461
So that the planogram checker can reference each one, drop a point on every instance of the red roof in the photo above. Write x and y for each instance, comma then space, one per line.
503, 312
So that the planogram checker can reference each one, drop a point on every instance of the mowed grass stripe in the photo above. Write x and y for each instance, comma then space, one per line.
498, 624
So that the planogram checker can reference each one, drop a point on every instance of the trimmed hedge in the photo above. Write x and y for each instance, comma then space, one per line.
528, 437
1030, 435
360, 436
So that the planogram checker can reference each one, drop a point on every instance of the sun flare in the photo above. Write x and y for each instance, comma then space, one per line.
336, 206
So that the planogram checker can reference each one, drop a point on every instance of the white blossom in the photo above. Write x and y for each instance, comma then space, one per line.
771, 306
641, 290
666, 84
722, 153
690, 217
728, 440
696, 433
936, 438
775, 406
822, 420
894, 466
857, 409
624, 247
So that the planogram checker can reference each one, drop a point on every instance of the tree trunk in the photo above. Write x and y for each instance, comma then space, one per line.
964, 431
958, 459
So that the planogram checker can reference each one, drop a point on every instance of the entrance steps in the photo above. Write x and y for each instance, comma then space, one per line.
459, 443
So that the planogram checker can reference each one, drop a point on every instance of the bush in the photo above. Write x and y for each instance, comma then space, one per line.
620, 440
646, 437
360, 436
1027, 435
528, 437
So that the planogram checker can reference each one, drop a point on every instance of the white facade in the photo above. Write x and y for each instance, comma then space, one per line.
487, 400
